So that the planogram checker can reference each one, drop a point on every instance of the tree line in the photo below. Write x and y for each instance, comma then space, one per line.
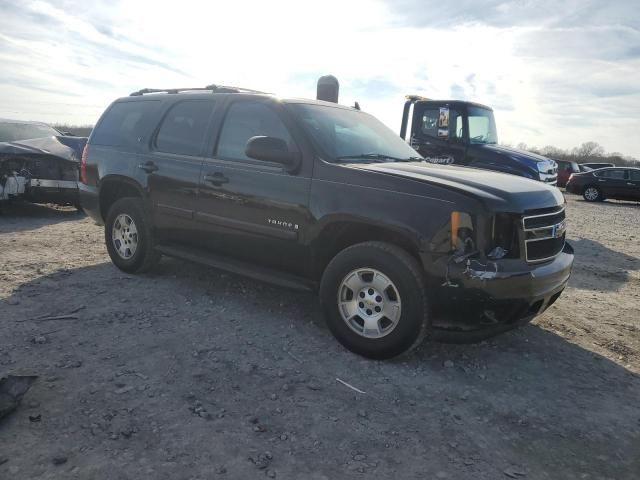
587, 152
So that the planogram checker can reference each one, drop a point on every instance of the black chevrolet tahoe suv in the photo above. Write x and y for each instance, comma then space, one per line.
313, 195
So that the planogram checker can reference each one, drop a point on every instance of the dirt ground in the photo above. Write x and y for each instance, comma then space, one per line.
189, 373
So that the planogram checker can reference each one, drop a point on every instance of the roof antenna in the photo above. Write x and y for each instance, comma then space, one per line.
356, 106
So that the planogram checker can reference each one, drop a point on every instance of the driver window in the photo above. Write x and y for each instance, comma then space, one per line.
245, 120
430, 118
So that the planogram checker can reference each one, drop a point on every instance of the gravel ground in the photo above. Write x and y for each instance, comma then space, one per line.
189, 373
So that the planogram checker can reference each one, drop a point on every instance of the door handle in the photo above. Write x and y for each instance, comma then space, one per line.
148, 167
631, 184
216, 178
601, 180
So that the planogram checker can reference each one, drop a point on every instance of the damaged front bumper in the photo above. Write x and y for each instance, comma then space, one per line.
480, 300
41, 170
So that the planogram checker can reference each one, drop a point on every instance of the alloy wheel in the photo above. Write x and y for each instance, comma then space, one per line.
125, 236
591, 193
369, 303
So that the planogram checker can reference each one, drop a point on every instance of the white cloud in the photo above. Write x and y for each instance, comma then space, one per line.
549, 82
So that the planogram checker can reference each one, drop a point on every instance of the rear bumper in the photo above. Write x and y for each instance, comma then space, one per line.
501, 295
90, 202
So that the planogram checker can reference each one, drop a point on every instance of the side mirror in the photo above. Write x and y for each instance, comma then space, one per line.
271, 149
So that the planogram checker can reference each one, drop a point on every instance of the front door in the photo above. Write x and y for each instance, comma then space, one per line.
254, 210
437, 134
174, 162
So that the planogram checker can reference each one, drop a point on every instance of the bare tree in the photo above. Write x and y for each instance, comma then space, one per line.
588, 151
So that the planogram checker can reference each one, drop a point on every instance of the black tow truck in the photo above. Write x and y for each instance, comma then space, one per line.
464, 133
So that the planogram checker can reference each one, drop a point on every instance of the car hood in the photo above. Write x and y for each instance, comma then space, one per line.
500, 191
67, 148
532, 160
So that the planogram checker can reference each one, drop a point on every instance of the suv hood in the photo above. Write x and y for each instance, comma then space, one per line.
500, 191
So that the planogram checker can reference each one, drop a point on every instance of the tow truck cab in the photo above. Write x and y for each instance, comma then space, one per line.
465, 134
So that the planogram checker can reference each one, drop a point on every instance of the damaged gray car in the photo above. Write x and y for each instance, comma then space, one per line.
38, 163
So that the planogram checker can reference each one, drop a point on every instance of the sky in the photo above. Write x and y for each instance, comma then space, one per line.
555, 72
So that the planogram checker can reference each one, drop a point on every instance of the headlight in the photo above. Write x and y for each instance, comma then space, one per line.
462, 235
547, 166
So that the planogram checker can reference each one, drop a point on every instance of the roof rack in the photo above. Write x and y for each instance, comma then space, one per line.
212, 88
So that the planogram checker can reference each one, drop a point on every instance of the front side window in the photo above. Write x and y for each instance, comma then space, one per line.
245, 120
441, 122
482, 126
635, 175
184, 128
429, 122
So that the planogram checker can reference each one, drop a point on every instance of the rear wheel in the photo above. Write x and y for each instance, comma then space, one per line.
374, 299
129, 237
592, 193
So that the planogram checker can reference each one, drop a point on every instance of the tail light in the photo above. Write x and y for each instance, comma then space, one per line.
83, 165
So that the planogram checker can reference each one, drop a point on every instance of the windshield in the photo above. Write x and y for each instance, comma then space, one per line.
343, 134
13, 132
482, 126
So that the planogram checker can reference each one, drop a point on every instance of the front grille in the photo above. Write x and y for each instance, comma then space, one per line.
544, 220
544, 235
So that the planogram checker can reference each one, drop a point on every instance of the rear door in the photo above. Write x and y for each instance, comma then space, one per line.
173, 164
613, 182
633, 185
251, 209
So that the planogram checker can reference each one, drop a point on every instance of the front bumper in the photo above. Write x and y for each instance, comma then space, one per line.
499, 296
572, 188
40, 190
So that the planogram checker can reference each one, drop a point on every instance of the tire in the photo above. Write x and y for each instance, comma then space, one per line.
403, 320
591, 193
130, 252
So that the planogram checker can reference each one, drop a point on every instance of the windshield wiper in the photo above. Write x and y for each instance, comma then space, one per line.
376, 156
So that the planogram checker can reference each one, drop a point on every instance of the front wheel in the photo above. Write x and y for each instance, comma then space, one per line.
592, 194
129, 237
374, 299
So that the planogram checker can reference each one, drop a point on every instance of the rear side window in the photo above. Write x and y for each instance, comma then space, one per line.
245, 120
615, 174
122, 123
184, 128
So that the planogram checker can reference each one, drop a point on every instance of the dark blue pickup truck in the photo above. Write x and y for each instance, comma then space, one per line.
464, 133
